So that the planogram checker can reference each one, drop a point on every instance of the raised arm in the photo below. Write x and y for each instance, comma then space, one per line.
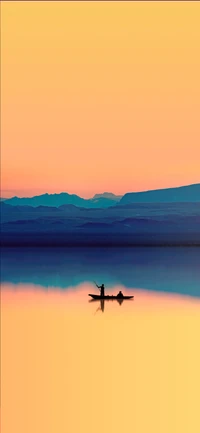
97, 285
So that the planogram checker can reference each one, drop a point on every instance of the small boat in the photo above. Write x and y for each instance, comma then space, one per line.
110, 297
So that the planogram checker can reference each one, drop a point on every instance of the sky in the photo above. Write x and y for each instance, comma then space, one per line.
99, 96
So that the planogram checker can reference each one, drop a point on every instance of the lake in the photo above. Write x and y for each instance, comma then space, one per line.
70, 365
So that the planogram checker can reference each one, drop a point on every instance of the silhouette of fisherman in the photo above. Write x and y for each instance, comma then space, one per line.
102, 290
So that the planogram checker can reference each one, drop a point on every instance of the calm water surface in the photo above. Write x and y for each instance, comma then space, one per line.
70, 365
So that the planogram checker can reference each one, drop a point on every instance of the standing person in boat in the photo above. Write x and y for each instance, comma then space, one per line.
102, 290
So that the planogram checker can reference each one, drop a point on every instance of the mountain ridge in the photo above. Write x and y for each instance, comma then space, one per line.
62, 199
188, 193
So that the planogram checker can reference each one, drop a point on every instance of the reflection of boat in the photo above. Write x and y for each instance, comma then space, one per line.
110, 297
102, 301
119, 299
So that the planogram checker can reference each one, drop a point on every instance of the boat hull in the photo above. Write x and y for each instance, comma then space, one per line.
110, 297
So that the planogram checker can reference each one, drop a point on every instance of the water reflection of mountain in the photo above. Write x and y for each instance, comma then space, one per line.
174, 270
164, 269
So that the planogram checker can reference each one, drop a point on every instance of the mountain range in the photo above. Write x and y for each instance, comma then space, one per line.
138, 224
190, 193
164, 217
98, 201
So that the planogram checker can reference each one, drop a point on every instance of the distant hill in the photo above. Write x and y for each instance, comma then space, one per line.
136, 224
61, 199
115, 213
190, 193
108, 195
45, 232
101, 202
173, 224
184, 194
54, 200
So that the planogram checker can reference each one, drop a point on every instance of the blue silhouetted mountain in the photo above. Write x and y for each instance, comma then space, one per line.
108, 195
127, 213
190, 193
14, 213
143, 223
105, 200
61, 199
152, 224
54, 200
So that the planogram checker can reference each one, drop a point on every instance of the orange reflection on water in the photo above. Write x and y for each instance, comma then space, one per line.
69, 368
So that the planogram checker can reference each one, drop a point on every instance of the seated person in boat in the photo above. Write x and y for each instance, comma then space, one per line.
102, 290
120, 294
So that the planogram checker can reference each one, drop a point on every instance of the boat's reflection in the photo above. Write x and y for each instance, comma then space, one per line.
102, 302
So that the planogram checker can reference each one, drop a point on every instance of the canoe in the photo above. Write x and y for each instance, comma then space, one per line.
110, 297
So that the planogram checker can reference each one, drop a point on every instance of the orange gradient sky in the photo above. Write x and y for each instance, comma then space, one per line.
99, 96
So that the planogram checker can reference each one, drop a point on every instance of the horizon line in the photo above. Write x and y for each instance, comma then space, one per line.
97, 193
